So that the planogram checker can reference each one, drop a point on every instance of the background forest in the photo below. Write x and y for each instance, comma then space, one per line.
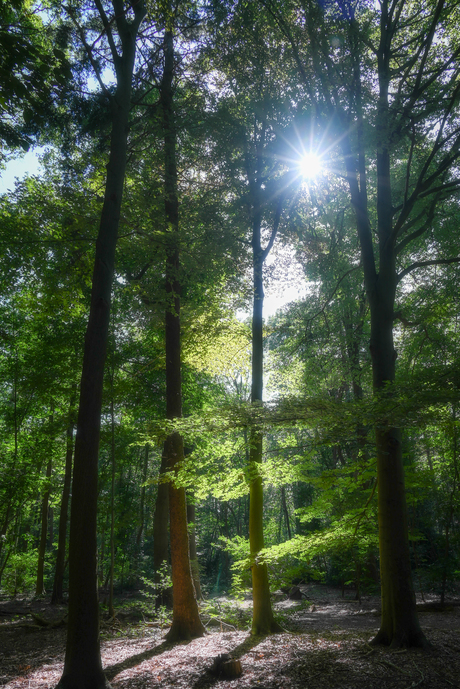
303, 148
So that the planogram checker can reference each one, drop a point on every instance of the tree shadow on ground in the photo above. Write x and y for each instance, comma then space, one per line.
112, 670
208, 679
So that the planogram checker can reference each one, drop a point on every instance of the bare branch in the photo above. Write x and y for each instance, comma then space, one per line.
89, 51
424, 264
421, 230
328, 301
108, 30
276, 224
398, 316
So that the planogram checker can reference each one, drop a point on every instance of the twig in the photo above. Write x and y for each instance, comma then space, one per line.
390, 664
415, 684
443, 678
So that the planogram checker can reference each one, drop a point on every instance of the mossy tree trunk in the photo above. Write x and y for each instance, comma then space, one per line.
263, 621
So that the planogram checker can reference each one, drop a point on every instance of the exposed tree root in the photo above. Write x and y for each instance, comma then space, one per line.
84, 682
264, 630
406, 639
181, 631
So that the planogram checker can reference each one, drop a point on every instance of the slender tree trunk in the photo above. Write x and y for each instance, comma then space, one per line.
112, 510
57, 595
186, 622
40, 588
399, 622
263, 621
451, 509
83, 667
191, 517
161, 536
50, 527
140, 531
5, 525
285, 511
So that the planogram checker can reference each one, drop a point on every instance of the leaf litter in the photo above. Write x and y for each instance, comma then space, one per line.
326, 647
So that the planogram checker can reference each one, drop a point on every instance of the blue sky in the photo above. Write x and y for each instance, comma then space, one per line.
28, 164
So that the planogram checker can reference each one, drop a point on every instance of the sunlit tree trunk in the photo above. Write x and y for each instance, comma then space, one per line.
186, 622
191, 517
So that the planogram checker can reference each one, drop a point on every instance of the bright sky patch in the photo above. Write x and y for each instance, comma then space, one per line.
310, 165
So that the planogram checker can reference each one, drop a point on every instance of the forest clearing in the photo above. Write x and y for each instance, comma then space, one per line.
324, 647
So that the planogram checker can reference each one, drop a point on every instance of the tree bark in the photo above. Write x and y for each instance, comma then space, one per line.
186, 622
399, 622
83, 667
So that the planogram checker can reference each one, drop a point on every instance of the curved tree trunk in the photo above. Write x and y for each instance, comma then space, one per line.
83, 667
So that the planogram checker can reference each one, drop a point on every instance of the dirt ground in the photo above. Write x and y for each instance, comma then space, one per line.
325, 647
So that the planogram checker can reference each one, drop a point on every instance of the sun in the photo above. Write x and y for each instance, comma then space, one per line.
310, 165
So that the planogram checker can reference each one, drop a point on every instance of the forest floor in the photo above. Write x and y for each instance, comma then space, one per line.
325, 646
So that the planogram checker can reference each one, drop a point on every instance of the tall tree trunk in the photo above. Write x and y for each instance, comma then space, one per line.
140, 531
5, 525
83, 667
112, 508
263, 621
57, 595
186, 622
399, 622
39, 587
286, 512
